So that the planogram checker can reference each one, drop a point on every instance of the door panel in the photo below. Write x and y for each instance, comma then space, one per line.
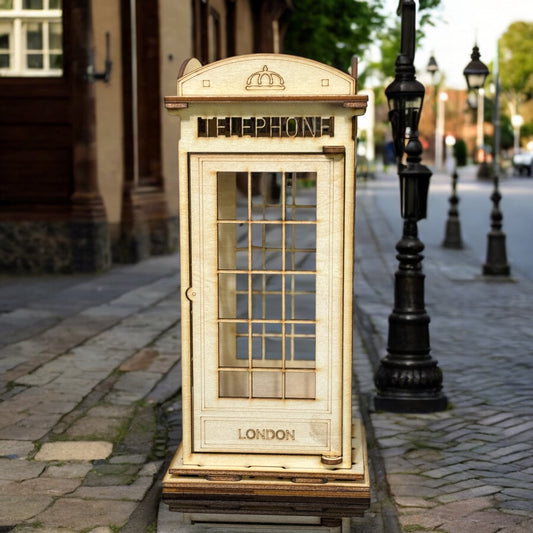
266, 279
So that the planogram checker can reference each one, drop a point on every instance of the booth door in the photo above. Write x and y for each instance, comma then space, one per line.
266, 237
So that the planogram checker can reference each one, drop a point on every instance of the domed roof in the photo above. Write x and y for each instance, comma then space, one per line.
264, 74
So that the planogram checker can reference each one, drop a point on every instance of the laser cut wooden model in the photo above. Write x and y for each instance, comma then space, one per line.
267, 184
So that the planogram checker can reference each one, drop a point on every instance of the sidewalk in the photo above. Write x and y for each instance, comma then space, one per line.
95, 359
85, 362
470, 468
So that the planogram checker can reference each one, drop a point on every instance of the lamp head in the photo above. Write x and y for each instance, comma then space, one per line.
476, 71
432, 67
405, 96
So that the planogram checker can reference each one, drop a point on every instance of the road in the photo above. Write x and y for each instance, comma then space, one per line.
474, 213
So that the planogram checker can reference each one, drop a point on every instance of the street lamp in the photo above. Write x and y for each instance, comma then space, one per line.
408, 379
432, 67
452, 235
476, 73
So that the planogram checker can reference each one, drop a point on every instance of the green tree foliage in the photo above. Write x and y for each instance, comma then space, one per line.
516, 64
332, 31
390, 35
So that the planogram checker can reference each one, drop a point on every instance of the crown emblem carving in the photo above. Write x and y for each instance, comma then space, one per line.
265, 79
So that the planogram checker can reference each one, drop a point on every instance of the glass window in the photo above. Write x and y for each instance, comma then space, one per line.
267, 284
31, 38
32, 4
5, 47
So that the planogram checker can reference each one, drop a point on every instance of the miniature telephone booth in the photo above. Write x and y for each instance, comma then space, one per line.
266, 177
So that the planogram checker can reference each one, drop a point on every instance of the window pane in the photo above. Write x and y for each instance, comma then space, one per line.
6, 4
56, 61
35, 61
4, 60
54, 4
34, 36
300, 385
266, 385
55, 30
5, 30
233, 385
32, 4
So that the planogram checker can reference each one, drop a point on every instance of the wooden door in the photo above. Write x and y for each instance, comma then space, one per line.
266, 296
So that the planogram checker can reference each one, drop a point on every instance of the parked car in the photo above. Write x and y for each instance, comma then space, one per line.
523, 163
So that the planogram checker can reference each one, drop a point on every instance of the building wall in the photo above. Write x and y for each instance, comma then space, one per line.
245, 40
109, 125
176, 47
80, 184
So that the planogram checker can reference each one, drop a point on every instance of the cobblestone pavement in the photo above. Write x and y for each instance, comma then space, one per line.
95, 360
85, 362
470, 468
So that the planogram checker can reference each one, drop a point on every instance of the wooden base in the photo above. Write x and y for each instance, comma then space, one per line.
325, 493
242, 523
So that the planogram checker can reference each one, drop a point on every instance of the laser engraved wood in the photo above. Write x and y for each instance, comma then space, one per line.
267, 185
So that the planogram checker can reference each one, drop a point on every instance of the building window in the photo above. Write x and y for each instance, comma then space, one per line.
31, 38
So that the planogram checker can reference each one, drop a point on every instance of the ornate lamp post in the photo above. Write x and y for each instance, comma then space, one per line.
452, 234
433, 69
408, 379
496, 264
476, 73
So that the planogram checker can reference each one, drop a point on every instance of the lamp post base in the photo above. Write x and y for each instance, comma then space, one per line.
409, 386
415, 403
496, 264
452, 237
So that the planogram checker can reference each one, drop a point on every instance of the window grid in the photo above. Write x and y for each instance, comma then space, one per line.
24, 21
258, 331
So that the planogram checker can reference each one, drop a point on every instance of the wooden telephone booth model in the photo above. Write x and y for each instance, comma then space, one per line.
267, 168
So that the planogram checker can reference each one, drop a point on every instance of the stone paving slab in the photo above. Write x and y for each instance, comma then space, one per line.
74, 451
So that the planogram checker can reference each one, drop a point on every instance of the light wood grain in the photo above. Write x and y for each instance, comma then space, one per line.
267, 215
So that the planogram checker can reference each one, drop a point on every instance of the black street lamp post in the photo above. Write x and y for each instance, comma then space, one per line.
452, 234
408, 378
433, 69
496, 263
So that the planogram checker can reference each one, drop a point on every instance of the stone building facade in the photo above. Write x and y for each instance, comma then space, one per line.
88, 158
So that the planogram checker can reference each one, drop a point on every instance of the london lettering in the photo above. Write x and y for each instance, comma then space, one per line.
266, 126
266, 434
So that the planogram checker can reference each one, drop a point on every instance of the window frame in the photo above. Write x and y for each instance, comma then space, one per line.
19, 17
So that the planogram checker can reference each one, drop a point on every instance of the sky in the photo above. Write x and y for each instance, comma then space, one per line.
458, 24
